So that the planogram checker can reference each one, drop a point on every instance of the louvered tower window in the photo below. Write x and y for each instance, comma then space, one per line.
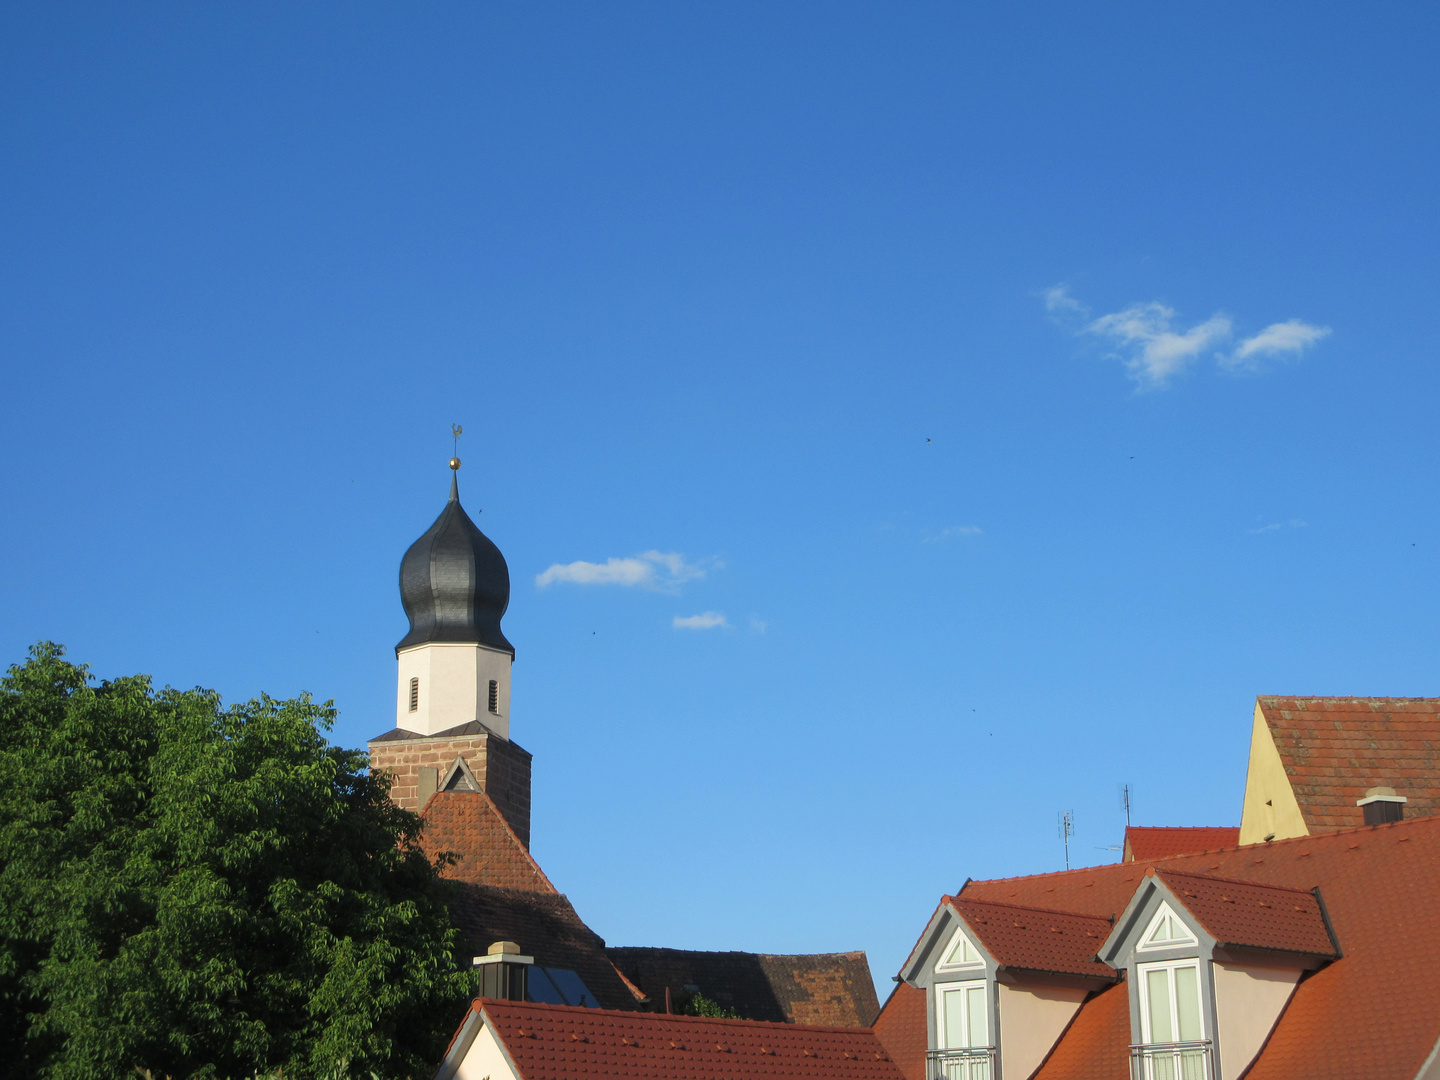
414, 695
494, 697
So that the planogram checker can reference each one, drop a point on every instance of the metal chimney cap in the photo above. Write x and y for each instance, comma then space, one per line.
1381, 794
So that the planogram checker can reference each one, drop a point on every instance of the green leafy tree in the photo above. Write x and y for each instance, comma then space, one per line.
196, 890
697, 1004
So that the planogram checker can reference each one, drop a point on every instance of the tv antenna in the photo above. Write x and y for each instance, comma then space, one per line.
1126, 791
1067, 830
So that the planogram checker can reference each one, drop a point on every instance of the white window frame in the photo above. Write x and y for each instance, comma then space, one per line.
1173, 943
1142, 984
966, 965
940, 1007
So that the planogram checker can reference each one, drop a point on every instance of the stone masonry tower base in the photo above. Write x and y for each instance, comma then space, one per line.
469, 757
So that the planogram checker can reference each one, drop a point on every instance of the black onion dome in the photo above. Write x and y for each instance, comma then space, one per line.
454, 583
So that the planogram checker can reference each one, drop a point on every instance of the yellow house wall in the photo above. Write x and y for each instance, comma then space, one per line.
1270, 805
1031, 1019
1248, 1001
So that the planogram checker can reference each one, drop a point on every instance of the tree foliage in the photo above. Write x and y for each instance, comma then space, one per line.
197, 890
697, 1004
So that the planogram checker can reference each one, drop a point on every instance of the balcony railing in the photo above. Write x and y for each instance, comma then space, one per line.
969, 1063
1171, 1061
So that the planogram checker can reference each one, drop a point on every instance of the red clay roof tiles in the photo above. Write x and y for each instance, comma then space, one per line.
1159, 842
901, 1026
1096, 1045
556, 1042
467, 825
1336, 748
1037, 939
1254, 916
1375, 1012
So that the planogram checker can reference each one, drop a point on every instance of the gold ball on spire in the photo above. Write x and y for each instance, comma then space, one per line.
454, 463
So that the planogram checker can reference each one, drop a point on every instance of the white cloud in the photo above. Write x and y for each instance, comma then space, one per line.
659, 570
708, 620
1274, 526
929, 537
1153, 351
1059, 301
757, 626
1281, 340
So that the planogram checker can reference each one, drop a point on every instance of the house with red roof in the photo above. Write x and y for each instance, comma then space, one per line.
1288, 958
1325, 763
515, 1040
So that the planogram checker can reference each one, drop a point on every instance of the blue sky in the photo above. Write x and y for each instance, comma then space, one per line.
981, 404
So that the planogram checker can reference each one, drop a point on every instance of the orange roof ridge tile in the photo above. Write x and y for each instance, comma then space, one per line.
1163, 874
1021, 907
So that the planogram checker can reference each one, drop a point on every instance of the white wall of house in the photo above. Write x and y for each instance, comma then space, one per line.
454, 687
1248, 1002
1031, 1020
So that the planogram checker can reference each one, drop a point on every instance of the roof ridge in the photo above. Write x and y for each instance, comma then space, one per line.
1030, 907
1179, 828
1234, 881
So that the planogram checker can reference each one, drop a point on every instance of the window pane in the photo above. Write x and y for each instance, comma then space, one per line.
978, 1028
1187, 1002
1157, 997
954, 1009
961, 953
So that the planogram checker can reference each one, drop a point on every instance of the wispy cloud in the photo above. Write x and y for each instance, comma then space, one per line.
1153, 350
707, 620
758, 625
1155, 346
659, 570
1278, 341
1276, 526
937, 536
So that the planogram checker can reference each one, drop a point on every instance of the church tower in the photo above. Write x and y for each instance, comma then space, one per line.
452, 697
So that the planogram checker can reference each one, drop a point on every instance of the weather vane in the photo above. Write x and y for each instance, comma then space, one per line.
455, 432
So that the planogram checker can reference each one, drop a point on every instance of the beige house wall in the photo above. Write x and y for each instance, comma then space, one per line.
1031, 1020
1270, 806
454, 687
1248, 1002
483, 1059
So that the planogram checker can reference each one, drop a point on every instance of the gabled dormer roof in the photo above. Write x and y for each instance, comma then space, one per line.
1234, 914
1037, 939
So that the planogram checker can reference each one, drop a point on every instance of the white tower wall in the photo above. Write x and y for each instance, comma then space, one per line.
453, 687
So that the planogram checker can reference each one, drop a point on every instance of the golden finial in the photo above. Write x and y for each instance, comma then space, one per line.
455, 432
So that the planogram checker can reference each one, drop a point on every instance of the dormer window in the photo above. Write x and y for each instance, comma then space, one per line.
1171, 1026
963, 1019
960, 953
1166, 931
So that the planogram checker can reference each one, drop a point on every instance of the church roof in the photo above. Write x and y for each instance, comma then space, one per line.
806, 988
454, 583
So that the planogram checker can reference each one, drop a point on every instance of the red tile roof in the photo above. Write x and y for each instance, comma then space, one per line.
1159, 842
557, 1042
1096, 1045
467, 825
1253, 916
901, 1026
1336, 748
819, 988
1375, 1012
1037, 939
